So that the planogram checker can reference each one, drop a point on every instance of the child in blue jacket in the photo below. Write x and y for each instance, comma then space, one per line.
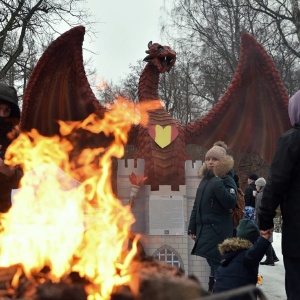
240, 257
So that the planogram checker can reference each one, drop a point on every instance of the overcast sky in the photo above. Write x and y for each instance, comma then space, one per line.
124, 30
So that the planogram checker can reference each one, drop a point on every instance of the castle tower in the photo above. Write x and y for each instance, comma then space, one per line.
162, 217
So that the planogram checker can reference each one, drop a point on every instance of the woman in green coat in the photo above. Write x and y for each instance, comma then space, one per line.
211, 221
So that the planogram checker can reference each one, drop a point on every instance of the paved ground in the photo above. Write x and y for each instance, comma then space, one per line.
273, 276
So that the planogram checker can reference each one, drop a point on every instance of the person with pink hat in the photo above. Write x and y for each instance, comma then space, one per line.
211, 221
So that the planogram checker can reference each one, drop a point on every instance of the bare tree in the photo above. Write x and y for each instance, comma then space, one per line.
210, 31
25, 21
175, 89
207, 34
180, 95
286, 15
128, 89
131, 81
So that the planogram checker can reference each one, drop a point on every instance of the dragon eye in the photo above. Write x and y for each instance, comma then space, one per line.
160, 48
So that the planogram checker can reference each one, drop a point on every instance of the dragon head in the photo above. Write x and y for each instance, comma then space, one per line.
163, 57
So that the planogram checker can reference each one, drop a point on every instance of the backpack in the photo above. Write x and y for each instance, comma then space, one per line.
238, 211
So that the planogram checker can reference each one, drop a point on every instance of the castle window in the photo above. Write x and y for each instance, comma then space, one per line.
169, 257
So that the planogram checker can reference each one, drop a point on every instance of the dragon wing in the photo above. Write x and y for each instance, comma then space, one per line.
58, 88
252, 113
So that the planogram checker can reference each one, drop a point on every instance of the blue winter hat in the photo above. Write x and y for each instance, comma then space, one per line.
247, 230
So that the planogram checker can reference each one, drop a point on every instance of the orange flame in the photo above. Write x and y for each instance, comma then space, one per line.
65, 224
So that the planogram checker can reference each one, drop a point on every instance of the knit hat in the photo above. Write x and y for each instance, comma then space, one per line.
253, 177
247, 230
260, 182
294, 108
218, 150
8, 95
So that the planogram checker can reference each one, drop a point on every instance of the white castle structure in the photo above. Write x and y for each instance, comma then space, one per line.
162, 217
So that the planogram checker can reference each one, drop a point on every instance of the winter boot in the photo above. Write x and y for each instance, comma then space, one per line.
211, 284
269, 257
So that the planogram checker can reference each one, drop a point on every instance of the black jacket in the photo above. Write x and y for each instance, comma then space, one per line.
7, 134
211, 219
283, 188
248, 195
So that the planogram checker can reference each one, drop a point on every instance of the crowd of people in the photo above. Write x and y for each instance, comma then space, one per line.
234, 256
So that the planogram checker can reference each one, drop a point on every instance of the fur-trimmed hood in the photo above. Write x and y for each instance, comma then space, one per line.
222, 169
234, 245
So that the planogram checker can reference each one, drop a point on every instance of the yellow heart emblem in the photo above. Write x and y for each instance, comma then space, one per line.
163, 136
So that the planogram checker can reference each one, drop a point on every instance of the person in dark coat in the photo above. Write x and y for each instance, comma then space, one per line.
239, 210
271, 256
210, 220
283, 188
240, 257
248, 194
9, 119
260, 186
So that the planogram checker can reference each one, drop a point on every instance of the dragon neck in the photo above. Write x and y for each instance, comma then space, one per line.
148, 84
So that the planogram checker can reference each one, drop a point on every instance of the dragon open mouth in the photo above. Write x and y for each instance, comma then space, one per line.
166, 61
163, 57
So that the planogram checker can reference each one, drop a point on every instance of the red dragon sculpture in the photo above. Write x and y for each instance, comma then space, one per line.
244, 116
58, 89
161, 143
253, 112
249, 117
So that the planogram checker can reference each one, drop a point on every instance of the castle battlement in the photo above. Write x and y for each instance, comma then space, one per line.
192, 168
126, 167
